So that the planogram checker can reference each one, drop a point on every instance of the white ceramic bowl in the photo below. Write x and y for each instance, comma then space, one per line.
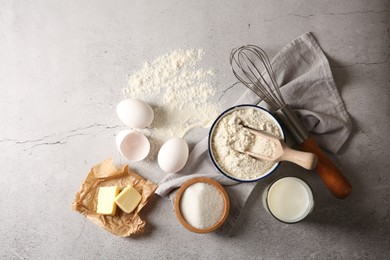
211, 136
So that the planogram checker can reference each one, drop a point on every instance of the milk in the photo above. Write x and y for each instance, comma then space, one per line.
289, 199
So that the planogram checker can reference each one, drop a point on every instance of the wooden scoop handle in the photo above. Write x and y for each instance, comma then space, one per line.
329, 173
303, 159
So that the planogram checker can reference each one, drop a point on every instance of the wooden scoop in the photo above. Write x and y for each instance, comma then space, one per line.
282, 152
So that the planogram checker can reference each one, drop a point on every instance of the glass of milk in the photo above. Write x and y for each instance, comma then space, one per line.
289, 199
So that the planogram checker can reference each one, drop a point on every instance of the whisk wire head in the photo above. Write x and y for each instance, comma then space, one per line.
251, 66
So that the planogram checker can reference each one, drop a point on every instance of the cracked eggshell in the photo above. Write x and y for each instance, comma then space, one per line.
135, 113
132, 145
173, 155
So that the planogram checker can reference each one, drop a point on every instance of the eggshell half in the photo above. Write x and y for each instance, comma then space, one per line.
135, 113
173, 155
132, 145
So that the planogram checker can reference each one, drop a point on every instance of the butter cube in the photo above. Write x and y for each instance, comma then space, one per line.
106, 204
128, 199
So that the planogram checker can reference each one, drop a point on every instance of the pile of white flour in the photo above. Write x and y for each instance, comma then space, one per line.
230, 140
179, 91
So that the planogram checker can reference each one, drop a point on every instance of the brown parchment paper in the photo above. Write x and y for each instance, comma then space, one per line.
106, 174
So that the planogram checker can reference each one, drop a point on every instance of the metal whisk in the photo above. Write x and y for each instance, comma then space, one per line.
246, 70
251, 65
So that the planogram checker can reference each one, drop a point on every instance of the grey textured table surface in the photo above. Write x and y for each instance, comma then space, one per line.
63, 65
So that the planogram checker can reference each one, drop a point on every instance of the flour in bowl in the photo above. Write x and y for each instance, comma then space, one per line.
230, 140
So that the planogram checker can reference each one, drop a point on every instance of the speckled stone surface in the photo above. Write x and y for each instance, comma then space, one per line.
63, 65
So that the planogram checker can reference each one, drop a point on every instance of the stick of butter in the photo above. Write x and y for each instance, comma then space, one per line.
128, 199
106, 204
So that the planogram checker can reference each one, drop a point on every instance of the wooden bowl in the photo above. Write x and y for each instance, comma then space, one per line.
223, 194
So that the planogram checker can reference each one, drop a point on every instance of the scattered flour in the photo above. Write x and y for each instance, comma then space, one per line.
230, 140
179, 91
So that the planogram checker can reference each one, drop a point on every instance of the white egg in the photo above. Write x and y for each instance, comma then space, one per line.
173, 155
135, 113
132, 145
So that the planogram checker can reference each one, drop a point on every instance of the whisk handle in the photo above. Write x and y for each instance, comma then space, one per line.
329, 173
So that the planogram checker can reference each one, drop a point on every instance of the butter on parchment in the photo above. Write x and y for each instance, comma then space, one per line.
106, 204
105, 174
128, 199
